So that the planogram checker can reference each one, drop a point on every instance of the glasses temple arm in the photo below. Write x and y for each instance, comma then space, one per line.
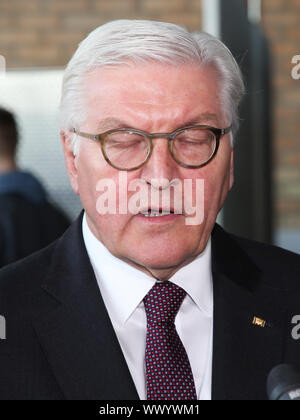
88, 136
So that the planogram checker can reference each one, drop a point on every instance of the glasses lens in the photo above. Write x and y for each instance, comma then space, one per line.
126, 149
194, 146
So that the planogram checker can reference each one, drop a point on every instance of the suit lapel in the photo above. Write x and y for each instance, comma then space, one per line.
80, 344
75, 331
243, 353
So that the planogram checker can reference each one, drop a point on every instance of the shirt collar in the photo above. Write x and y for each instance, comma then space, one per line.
123, 287
196, 279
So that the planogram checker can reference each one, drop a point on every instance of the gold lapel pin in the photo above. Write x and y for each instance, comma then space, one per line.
259, 322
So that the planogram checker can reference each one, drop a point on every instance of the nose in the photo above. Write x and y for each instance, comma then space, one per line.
161, 168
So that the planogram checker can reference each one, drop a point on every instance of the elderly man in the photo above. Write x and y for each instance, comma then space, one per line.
145, 297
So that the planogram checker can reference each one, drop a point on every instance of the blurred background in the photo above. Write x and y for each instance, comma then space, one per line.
38, 37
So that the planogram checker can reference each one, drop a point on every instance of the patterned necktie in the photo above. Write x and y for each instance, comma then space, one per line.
168, 371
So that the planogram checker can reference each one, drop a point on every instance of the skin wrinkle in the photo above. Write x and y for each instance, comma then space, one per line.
161, 249
114, 123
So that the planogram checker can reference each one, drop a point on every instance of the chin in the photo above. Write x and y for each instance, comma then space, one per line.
157, 260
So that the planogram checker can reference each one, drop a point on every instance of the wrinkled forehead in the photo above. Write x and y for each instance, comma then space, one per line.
153, 90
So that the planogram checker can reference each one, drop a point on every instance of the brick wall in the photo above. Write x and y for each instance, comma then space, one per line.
281, 21
38, 33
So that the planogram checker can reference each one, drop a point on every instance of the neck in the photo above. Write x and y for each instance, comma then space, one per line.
162, 274
7, 165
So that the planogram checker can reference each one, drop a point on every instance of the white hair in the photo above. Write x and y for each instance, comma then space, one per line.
127, 42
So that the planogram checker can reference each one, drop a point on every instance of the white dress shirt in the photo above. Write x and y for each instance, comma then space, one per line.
123, 288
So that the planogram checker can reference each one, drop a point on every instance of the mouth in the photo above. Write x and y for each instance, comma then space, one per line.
159, 215
156, 213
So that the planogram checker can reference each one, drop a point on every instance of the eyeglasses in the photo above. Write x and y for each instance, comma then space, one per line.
128, 149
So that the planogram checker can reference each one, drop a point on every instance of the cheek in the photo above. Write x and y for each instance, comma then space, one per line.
87, 181
110, 225
218, 185
99, 187
90, 171
216, 182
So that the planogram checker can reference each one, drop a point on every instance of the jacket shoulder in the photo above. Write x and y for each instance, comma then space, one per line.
266, 254
26, 274
280, 267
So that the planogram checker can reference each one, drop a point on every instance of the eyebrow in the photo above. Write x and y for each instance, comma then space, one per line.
204, 118
114, 123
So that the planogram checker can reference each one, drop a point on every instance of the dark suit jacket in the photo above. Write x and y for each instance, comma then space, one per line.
60, 343
26, 226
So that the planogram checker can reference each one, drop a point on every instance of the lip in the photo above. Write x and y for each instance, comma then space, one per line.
171, 209
159, 219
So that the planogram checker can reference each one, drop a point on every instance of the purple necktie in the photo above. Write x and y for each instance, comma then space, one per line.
168, 370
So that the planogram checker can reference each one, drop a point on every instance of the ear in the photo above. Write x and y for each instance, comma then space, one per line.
70, 160
231, 176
